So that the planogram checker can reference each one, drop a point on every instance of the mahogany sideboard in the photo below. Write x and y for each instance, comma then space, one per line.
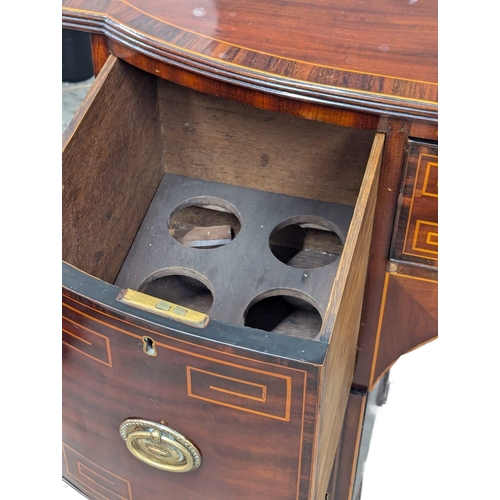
250, 241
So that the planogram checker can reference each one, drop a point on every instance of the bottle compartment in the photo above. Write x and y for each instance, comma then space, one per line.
243, 256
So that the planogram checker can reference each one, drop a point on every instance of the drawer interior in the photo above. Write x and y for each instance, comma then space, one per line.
241, 213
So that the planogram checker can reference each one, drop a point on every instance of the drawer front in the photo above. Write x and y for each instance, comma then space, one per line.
416, 230
247, 418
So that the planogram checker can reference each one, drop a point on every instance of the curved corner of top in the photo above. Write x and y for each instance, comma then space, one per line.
367, 58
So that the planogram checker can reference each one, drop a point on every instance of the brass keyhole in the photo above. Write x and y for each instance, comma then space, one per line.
148, 346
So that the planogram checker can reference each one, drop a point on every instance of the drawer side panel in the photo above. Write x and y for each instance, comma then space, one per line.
112, 165
346, 303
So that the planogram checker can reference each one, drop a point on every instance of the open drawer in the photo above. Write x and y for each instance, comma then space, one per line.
214, 260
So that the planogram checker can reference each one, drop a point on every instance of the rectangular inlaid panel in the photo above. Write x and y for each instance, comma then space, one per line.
256, 392
87, 341
416, 231
94, 479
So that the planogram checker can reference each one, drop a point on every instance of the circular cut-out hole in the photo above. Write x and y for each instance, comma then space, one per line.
204, 223
183, 290
285, 314
306, 244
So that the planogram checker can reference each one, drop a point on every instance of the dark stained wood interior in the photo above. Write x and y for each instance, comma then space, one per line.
202, 137
194, 216
243, 274
179, 289
219, 140
305, 246
284, 314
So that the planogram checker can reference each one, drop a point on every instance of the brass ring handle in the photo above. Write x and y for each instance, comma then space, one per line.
159, 446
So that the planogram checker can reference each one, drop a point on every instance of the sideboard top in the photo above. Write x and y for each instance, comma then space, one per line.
379, 56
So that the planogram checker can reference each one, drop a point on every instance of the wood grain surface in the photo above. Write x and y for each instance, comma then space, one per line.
396, 134
344, 472
408, 319
253, 94
111, 167
399, 167
415, 236
342, 320
100, 51
219, 140
384, 56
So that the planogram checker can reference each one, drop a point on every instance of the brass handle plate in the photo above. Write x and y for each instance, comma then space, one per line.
163, 308
159, 446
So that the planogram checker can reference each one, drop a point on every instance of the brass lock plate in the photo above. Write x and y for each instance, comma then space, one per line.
163, 308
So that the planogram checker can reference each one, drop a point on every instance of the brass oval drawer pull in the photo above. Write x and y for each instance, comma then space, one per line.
159, 446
